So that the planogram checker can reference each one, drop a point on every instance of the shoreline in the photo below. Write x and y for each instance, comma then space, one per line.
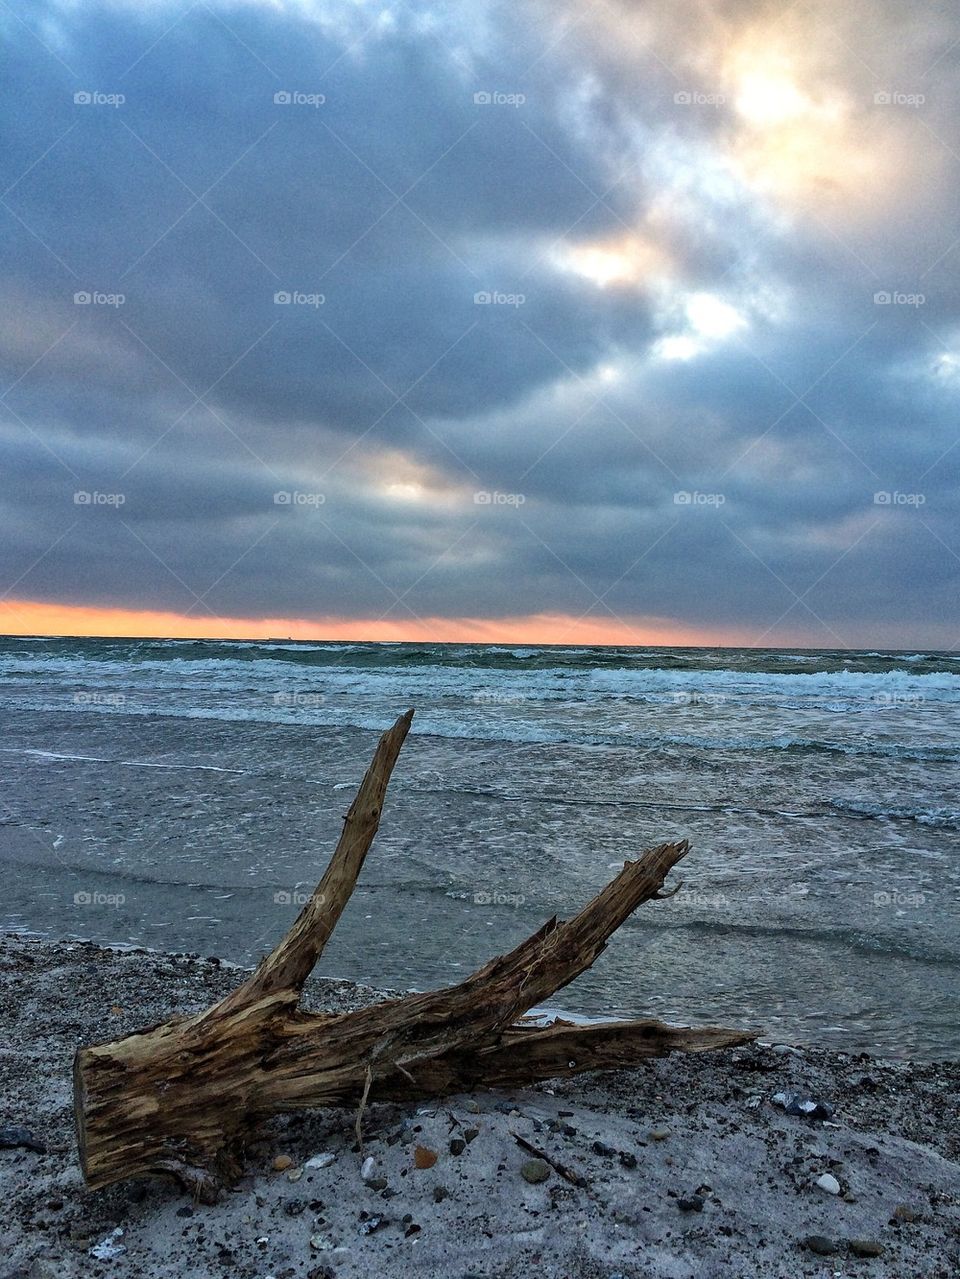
687, 1161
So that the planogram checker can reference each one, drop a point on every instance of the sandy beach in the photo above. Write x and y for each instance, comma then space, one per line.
689, 1168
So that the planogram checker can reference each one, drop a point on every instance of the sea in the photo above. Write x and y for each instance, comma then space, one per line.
185, 795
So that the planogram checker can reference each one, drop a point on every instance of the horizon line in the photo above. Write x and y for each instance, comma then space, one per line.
33, 619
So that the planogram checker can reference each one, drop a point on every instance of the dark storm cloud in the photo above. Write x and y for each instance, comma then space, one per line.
198, 398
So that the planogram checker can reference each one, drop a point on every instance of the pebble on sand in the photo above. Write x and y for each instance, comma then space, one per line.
535, 1171
110, 1248
282, 1163
821, 1245
866, 1248
691, 1203
14, 1136
323, 1160
826, 1181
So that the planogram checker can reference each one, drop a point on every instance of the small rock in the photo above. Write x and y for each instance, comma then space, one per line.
294, 1174
377, 1183
472, 1106
424, 1157
294, 1207
785, 1050
370, 1225
368, 1168
826, 1181
185, 1211
903, 1212
794, 1104
14, 1137
412, 1229
627, 1159
440, 1193
691, 1203
866, 1248
659, 1134
321, 1243
110, 1247
457, 1146
282, 1163
323, 1160
821, 1245
535, 1171
470, 1134
601, 1148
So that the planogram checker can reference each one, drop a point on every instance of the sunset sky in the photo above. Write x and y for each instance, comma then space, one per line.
595, 322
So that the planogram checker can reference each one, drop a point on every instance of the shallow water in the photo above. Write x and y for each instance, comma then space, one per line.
186, 795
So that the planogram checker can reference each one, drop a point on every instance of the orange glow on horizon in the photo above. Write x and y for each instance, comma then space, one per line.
31, 617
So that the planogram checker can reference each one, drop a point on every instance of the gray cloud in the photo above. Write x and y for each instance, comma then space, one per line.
399, 397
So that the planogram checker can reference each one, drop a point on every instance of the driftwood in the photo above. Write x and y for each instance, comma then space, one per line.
181, 1098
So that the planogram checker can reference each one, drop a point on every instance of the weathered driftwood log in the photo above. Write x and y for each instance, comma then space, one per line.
182, 1097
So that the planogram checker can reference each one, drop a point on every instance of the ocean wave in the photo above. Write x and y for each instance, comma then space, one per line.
483, 657
708, 690
516, 731
850, 810
939, 818
888, 942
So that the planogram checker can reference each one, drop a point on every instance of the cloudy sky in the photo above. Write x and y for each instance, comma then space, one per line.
613, 321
